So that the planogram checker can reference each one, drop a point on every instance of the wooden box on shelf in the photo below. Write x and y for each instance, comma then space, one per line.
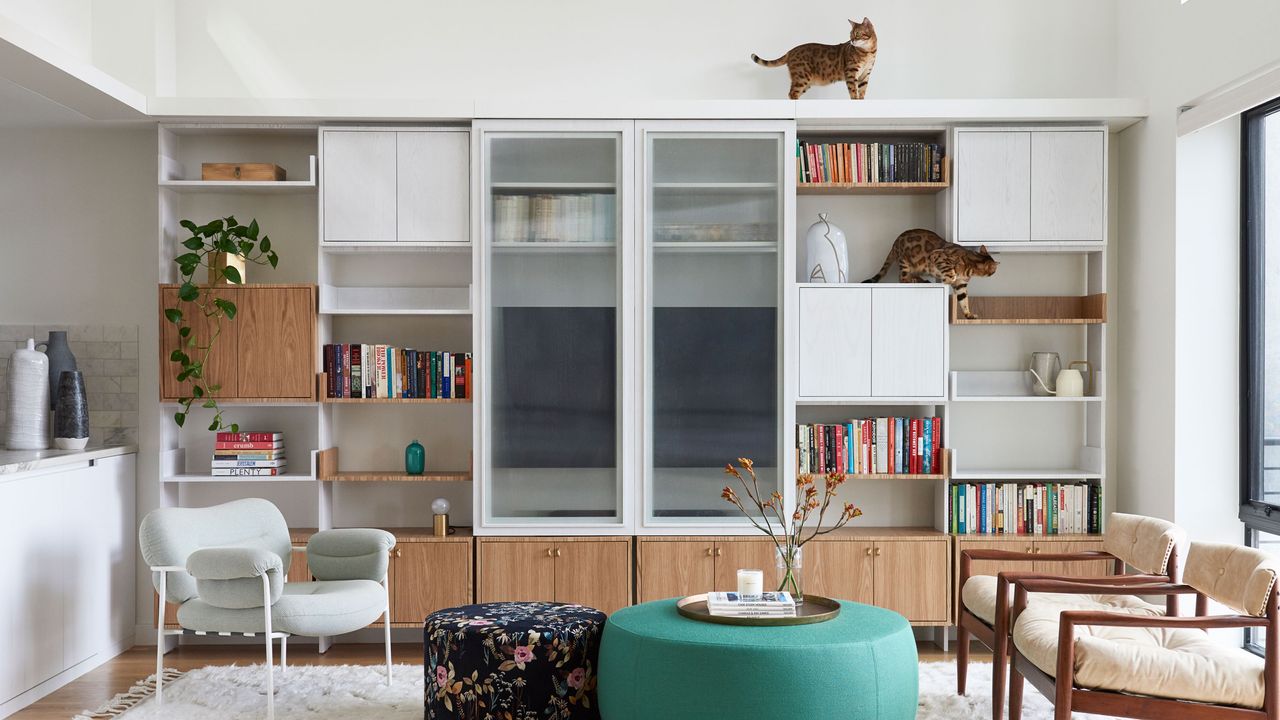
1033, 310
327, 471
322, 392
241, 171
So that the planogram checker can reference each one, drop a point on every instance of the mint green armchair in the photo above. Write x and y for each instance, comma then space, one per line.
225, 568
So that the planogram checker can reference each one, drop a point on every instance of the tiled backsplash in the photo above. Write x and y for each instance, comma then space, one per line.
108, 357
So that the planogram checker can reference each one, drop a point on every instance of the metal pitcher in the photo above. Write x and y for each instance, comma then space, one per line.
1044, 369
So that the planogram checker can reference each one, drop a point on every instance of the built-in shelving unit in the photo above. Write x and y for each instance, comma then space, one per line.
1033, 310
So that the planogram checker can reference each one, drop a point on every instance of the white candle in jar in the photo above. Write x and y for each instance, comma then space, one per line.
751, 582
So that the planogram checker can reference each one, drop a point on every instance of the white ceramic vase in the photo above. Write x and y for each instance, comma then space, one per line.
826, 253
28, 399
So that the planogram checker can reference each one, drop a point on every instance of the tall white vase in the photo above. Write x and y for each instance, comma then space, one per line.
826, 253
28, 399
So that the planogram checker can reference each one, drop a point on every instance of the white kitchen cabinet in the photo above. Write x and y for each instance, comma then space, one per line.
358, 170
908, 341
993, 186
433, 181
835, 341
1068, 185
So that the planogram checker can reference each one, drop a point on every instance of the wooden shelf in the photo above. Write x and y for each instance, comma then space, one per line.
1034, 310
322, 387
327, 471
895, 188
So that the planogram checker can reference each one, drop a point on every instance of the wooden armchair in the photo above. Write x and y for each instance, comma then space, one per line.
1149, 666
1147, 544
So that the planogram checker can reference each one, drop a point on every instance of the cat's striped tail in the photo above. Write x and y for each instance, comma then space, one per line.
888, 263
769, 63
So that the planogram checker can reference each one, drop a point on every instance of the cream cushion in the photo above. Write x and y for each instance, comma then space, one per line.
1181, 664
979, 598
1143, 543
1239, 577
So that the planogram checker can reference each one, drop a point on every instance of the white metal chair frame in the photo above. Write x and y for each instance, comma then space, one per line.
162, 632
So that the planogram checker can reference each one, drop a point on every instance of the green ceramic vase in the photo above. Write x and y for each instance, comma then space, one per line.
415, 458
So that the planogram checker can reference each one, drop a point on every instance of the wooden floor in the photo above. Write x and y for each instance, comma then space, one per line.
119, 674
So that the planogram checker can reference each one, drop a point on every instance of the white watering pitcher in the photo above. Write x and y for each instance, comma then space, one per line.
1070, 381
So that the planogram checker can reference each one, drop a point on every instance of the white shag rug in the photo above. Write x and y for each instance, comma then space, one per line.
359, 692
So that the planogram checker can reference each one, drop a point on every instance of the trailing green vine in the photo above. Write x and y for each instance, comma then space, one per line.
207, 242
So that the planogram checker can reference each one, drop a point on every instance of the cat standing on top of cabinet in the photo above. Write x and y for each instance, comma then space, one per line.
923, 254
821, 64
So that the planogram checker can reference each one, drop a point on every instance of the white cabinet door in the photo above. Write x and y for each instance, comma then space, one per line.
835, 342
40, 582
993, 186
359, 186
1068, 173
12, 528
908, 336
433, 186
99, 572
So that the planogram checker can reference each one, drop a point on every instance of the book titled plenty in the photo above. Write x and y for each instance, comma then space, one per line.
769, 604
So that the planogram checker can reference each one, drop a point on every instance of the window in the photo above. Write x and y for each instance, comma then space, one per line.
1260, 329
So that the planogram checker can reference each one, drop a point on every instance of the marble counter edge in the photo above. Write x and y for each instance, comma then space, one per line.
13, 462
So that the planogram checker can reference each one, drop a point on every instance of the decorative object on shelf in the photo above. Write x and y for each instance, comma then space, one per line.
821, 64
1080, 386
792, 529
924, 255
260, 172
826, 252
1045, 368
750, 583
218, 264
440, 517
415, 458
60, 359
71, 412
217, 237
28, 399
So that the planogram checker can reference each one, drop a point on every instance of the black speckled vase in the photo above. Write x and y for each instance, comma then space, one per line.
71, 412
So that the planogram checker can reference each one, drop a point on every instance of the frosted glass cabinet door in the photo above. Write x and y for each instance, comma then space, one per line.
359, 185
713, 210
551, 223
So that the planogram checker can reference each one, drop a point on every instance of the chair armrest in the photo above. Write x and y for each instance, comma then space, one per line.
966, 556
1057, 585
1205, 622
232, 563
350, 554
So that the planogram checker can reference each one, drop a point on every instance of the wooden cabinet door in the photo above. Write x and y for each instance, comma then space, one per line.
993, 186
735, 555
911, 578
358, 199
1075, 569
840, 569
595, 573
428, 576
516, 571
835, 342
908, 337
220, 369
1068, 185
674, 568
433, 182
276, 342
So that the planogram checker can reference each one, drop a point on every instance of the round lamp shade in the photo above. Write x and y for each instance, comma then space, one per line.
440, 506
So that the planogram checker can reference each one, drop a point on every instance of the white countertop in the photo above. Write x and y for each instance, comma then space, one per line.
18, 461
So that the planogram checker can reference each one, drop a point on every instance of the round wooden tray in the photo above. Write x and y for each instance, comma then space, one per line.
814, 609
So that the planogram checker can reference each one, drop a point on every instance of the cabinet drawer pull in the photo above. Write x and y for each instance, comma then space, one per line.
557, 552
550, 552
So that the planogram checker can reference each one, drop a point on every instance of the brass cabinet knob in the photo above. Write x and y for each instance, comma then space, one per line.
557, 552
710, 552
877, 552
868, 552
719, 552
397, 552
1036, 551
550, 552
1028, 549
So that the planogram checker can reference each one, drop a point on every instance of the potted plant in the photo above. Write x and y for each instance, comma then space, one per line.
789, 536
210, 246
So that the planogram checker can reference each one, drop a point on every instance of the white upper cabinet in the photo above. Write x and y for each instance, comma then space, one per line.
993, 186
1025, 185
1068, 188
396, 185
908, 336
359, 186
835, 341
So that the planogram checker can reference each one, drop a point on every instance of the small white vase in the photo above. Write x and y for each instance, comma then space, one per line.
28, 399
826, 253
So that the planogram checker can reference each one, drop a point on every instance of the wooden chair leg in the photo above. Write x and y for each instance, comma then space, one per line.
999, 674
1016, 682
962, 659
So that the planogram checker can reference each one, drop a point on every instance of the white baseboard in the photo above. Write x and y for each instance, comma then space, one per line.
63, 678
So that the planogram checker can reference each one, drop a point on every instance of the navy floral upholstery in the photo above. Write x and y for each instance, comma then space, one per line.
516, 660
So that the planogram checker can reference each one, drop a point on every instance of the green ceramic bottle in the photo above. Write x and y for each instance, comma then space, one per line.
415, 458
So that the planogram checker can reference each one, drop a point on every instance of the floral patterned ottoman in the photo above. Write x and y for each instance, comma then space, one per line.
517, 660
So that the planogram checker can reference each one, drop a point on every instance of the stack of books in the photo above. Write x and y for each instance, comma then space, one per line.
249, 453
868, 446
770, 604
384, 371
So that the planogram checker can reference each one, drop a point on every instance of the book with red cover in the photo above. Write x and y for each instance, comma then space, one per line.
248, 445
467, 376
249, 437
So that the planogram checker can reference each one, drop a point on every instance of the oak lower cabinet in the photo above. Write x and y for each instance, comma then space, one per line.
670, 567
428, 573
1036, 545
595, 572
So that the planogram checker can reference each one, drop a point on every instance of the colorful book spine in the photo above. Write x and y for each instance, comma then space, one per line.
254, 445
248, 437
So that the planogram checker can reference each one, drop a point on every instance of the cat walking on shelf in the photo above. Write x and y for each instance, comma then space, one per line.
821, 64
923, 254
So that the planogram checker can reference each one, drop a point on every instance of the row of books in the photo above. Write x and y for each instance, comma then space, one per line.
769, 604
1010, 508
580, 217
868, 162
383, 371
249, 454
867, 446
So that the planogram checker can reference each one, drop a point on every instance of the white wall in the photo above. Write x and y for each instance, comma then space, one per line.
1177, 282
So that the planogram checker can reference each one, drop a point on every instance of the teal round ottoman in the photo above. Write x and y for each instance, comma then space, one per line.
654, 663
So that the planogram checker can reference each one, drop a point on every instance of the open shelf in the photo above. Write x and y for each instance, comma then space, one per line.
327, 471
1033, 310
1044, 248
1038, 475
338, 300
322, 387
1009, 386
235, 187
880, 188
205, 478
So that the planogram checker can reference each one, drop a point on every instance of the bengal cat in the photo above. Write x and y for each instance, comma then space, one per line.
820, 64
923, 254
